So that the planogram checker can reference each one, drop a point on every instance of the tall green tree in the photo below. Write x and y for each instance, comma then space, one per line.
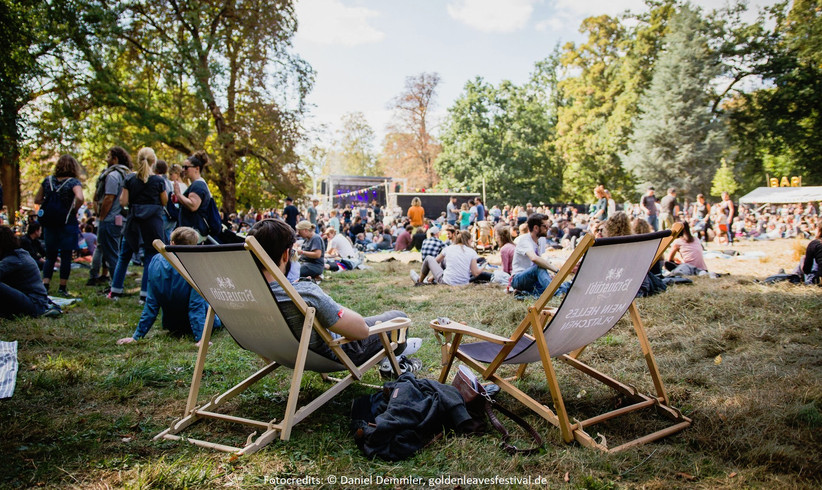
777, 127
356, 145
678, 140
212, 74
598, 98
501, 134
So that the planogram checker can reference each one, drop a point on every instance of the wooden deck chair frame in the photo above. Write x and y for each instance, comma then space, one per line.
270, 430
537, 320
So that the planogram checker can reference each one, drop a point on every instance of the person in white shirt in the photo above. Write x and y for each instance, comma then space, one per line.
339, 246
529, 271
462, 263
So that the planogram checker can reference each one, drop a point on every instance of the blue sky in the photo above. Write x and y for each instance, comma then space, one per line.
362, 50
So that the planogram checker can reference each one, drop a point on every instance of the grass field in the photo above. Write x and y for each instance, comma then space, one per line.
740, 358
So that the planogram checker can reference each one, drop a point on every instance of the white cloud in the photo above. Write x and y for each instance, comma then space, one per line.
585, 8
332, 22
492, 15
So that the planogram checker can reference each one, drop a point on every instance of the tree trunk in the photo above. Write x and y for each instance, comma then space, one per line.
10, 179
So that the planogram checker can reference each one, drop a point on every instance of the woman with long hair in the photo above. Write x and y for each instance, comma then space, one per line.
64, 192
689, 249
465, 216
506, 247
462, 263
145, 196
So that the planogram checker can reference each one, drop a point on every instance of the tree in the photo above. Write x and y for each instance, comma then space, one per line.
777, 127
25, 38
410, 150
597, 104
724, 180
678, 140
356, 145
213, 74
500, 134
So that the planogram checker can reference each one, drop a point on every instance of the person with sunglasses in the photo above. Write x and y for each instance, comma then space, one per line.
195, 197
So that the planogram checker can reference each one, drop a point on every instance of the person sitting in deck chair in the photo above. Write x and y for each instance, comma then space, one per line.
277, 238
184, 310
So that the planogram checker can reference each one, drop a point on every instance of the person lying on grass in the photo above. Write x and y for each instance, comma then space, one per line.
184, 310
277, 238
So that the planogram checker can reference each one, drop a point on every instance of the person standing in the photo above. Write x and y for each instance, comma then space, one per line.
312, 213
481, 211
601, 208
194, 199
669, 209
61, 229
728, 205
145, 196
107, 199
290, 213
451, 211
648, 206
170, 213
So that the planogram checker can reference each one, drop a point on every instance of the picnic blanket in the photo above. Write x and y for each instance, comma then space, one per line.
404, 257
8, 368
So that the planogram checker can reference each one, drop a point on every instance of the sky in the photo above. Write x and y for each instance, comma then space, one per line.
363, 50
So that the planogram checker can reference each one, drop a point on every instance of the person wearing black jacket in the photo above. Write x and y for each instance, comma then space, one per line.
22, 293
31, 243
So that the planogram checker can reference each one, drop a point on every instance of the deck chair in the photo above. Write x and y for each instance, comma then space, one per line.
610, 273
228, 278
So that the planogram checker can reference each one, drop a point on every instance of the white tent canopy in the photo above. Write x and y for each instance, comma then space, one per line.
782, 195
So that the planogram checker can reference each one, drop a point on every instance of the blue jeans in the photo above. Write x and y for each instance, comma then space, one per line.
653, 220
108, 240
118, 278
533, 280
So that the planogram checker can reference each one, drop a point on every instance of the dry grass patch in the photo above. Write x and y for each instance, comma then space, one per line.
740, 358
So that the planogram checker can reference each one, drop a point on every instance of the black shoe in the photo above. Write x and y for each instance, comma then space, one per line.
91, 282
63, 292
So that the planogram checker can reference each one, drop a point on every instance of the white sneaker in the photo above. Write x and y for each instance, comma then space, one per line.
412, 345
415, 276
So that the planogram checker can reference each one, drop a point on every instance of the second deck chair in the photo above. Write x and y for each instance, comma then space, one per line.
228, 278
611, 270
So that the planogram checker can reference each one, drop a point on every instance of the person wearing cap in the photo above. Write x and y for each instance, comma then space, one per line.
290, 213
648, 205
193, 199
312, 252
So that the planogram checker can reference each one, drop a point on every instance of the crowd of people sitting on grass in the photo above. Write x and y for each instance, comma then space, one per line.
138, 202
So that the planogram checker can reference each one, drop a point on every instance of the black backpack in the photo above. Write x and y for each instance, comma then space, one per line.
54, 211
